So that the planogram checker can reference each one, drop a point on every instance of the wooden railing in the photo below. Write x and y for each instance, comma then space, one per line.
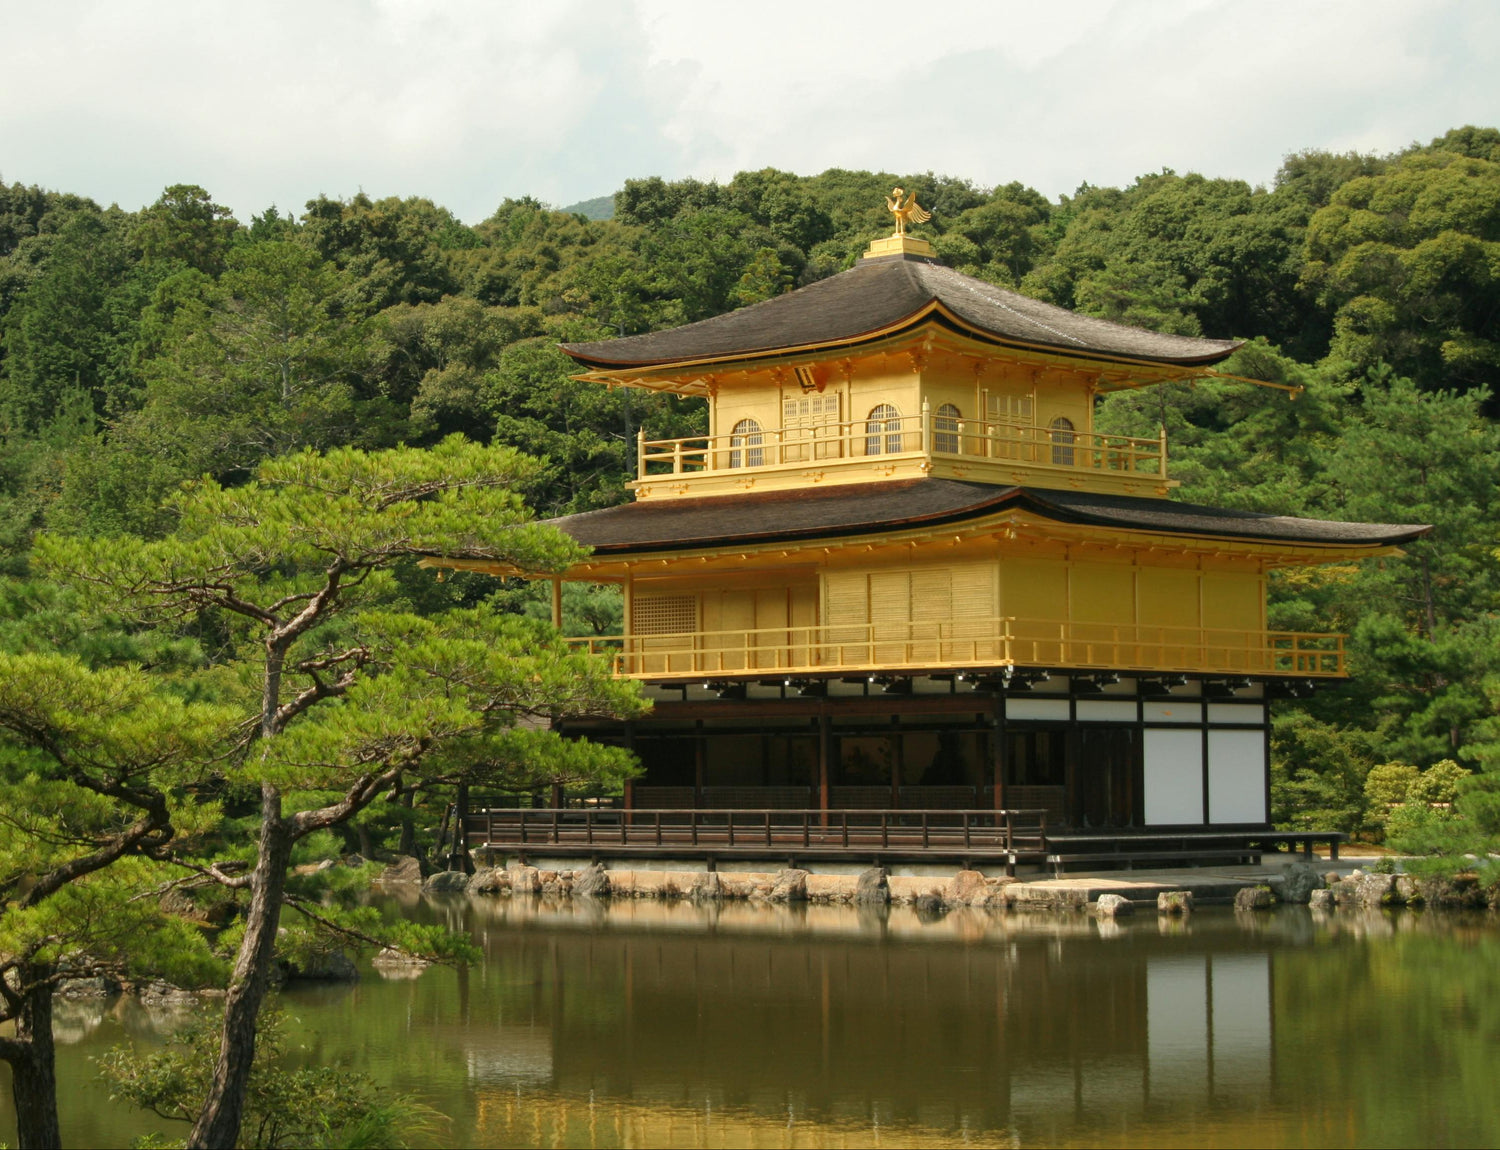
807, 831
902, 436
956, 644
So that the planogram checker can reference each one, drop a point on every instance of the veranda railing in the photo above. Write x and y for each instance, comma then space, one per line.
980, 642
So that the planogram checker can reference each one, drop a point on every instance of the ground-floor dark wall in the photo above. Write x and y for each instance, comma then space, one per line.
1133, 758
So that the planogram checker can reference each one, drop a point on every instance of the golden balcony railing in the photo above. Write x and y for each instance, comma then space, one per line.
899, 437
943, 645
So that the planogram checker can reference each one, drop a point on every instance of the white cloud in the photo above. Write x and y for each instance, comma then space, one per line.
468, 101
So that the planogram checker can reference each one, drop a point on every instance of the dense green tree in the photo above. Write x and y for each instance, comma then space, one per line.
347, 703
186, 228
73, 328
1405, 260
392, 250
95, 767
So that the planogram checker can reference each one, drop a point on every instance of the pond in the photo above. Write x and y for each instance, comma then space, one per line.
651, 1024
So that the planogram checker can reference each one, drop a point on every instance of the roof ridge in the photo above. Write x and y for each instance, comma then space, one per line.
966, 283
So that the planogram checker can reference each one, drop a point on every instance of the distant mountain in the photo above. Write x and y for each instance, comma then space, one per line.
599, 208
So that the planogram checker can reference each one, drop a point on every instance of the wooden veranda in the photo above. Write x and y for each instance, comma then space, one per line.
968, 837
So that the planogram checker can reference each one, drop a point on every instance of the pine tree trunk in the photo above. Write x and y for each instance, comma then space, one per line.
218, 1124
33, 1066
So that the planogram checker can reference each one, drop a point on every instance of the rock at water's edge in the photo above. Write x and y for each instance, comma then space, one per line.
403, 872
1174, 902
871, 888
1298, 881
523, 879
592, 882
446, 880
790, 886
1113, 906
489, 880
1253, 898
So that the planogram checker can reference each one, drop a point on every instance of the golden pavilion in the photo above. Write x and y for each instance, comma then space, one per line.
903, 571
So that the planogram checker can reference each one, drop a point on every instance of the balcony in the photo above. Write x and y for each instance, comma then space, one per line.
989, 451
947, 645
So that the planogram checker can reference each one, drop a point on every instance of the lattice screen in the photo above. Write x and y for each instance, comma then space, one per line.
809, 411
1010, 408
663, 614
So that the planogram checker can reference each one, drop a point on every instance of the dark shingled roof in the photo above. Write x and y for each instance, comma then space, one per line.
862, 508
877, 295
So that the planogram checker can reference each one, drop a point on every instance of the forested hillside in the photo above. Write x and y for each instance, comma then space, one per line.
141, 349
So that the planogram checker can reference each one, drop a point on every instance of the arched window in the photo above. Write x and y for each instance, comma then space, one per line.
883, 431
744, 445
945, 428
1062, 441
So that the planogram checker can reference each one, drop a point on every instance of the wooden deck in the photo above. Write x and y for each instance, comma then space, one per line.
968, 837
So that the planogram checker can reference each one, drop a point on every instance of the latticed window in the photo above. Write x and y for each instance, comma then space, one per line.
745, 445
1010, 408
883, 431
808, 417
945, 428
663, 614
1062, 441
810, 411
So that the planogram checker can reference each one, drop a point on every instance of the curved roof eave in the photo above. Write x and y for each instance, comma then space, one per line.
935, 310
885, 297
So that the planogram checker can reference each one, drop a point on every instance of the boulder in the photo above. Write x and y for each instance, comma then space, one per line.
523, 879
871, 888
1298, 881
790, 886
968, 889
489, 880
929, 905
1321, 899
1113, 906
96, 987
592, 882
390, 957
405, 871
1409, 890
1367, 890
446, 881
707, 887
1174, 902
831, 888
161, 993
1254, 898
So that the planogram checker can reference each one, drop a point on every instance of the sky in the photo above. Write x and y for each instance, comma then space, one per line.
468, 102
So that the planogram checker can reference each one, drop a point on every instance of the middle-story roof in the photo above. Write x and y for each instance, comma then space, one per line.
892, 505
881, 297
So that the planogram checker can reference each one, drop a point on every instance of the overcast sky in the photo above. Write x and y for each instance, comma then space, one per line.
470, 101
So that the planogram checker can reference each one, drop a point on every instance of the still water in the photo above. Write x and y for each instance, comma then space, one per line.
646, 1024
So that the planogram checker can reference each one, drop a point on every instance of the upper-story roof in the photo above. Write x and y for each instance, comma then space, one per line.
817, 513
882, 297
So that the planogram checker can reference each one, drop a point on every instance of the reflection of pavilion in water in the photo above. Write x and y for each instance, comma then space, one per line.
1042, 1036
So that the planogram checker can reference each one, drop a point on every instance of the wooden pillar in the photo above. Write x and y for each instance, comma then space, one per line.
700, 763
997, 752
825, 763
898, 744
557, 602
557, 796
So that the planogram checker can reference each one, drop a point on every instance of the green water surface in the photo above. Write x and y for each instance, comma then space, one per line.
647, 1024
